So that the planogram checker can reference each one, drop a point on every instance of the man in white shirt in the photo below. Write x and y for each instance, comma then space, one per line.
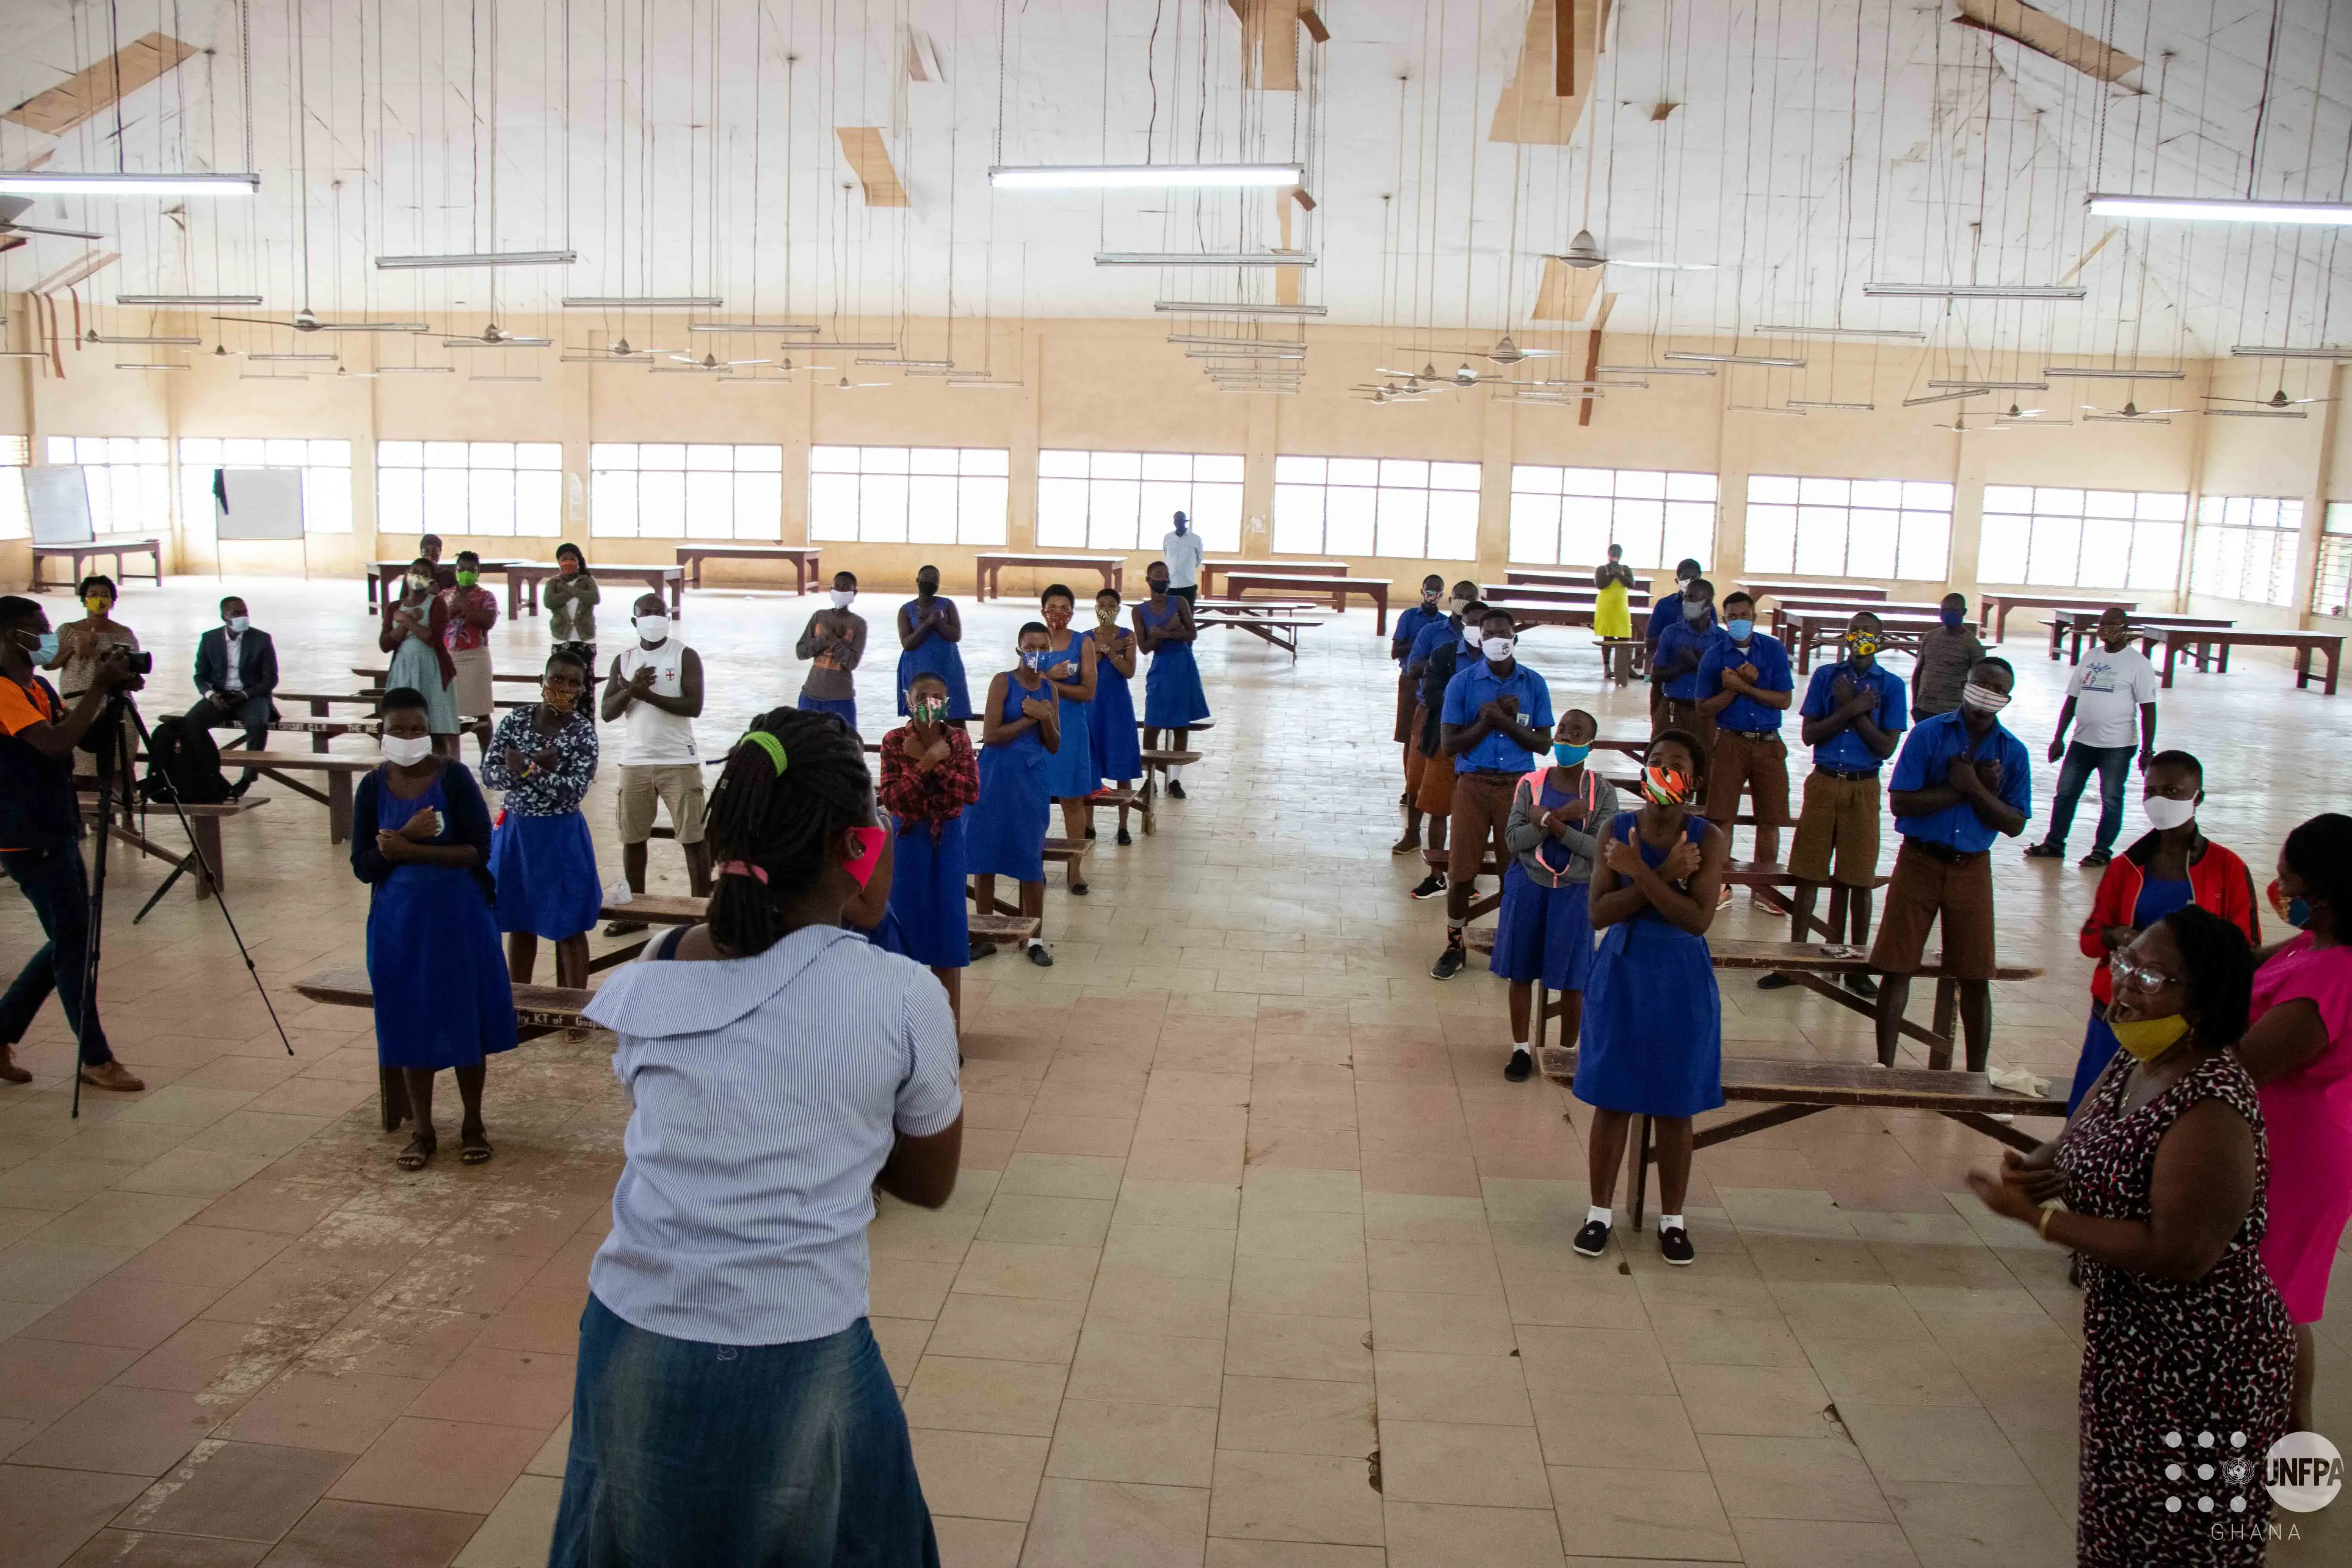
1182, 550
2111, 702
654, 690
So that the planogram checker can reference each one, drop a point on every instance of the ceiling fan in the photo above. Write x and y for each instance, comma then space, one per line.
785, 367
493, 336
1584, 252
2015, 415
2129, 414
712, 361
616, 352
845, 384
1505, 351
12, 233
1426, 379
1385, 394
304, 321
2278, 399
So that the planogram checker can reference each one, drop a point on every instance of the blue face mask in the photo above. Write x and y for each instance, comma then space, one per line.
1034, 657
1569, 756
1954, 617
2298, 914
47, 652
1740, 630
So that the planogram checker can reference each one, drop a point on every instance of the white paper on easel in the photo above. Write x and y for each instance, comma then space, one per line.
257, 504
58, 498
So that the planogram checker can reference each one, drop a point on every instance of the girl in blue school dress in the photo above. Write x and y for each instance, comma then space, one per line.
929, 776
422, 843
930, 630
1070, 661
1546, 930
1653, 1021
1172, 698
1004, 834
1111, 726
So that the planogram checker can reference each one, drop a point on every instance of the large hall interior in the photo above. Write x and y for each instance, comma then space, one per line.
1337, 1124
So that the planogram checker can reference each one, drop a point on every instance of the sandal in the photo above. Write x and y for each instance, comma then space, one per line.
473, 1149
418, 1155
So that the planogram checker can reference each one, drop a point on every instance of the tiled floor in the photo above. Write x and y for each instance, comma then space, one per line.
1256, 1261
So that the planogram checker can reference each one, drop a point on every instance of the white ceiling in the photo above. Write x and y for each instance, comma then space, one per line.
1814, 148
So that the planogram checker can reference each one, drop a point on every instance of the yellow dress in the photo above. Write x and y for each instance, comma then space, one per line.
1612, 617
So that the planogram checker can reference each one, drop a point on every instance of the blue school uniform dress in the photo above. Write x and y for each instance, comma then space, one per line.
933, 656
928, 919
1005, 831
442, 995
542, 858
1070, 772
1172, 698
1653, 1021
2156, 900
1118, 754
1545, 932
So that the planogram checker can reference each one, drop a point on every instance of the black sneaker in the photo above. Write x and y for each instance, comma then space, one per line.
1041, 958
1080, 889
1862, 985
1090, 833
1675, 1247
1522, 1067
625, 928
1449, 962
1175, 789
2097, 858
1406, 846
2045, 851
1125, 837
1776, 980
981, 949
1592, 1240
1431, 886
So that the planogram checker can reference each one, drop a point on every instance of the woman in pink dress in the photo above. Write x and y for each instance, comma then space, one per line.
2299, 1051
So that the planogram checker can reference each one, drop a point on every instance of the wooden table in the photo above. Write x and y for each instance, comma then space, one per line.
2071, 626
322, 731
383, 572
1269, 620
1240, 582
1564, 577
1993, 607
380, 673
338, 774
523, 578
2328, 645
1293, 566
1785, 587
1818, 627
81, 554
204, 828
989, 565
1538, 594
803, 557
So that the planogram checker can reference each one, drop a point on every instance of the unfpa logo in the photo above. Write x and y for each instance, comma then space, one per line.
2304, 1472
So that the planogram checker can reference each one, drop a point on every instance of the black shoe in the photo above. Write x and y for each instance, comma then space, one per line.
2094, 859
1405, 799
1592, 1240
1675, 1247
981, 949
1175, 789
1431, 886
1522, 1067
1449, 962
1405, 846
625, 928
2045, 851
1040, 957
236, 791
1080, 889
1124, 837
1090, 833
1861, 985
1776, 980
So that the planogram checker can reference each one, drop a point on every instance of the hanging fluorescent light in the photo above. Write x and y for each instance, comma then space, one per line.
417, 370
1244, 354
169, 302
121, 365
1194, 258
164, 343
794, 327
2218, 210
43, 183
1774, 360
1653, 369
502, 378
1974, 290
978, 384
1204, 308
1953, 396
2105, 373
1838, 333
1800, 402
480, 259
910, 363
877, 348
498, 342
1790, 412
292, 359
639, 301
1143, 176
2256, 413
1210, 342
2322, 352
1995, 386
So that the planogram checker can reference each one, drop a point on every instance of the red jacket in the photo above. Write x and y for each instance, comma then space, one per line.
2218, 881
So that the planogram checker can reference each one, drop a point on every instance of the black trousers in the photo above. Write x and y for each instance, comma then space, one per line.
251, 715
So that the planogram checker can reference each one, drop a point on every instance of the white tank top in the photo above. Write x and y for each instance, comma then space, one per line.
650, 737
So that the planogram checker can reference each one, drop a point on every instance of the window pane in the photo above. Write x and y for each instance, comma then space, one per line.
1347, 519
623, 455
835, 460
832, 506
200, 451
445, 454
1061, 512
2106, 552
1926, 554
994, 461
1297, 517
1775, 488
1920, 495
710, 501
539, 502
1117, 465
1400, 471
2001, 542
1162, 499
613, 504
2063, 502
399, 501
445, 500
1691, 487
759, 505
489, 500
538, 455
1217, 468
1585, 525
1403, 525
1354, 471
1535, 527
1772, 538
1886, 495
1642, 482
707, 457
882, 460
245, 452
931, 460
1062, 465
327, 500
1217, 514
2156, 556
1111, 508
1286, 470
931, 509
1640, 529
1690, 531
1454, 525
400, 454
1821, 539
1177, 466
1871, 538
284, 452
981, 505
758, 459
2106, 503
1454, 476
1588, 481
1530, 479
15, 520
2162, 507
661, 455
2056, 549
882, 508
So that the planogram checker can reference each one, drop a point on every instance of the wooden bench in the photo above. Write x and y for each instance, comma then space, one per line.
1239, 582
1295, 567
322, 731
379, 673
2327, 644
2069, 627
658, 909
1817, 628
802, 558
1993, 607
1134, 797
539, 1010
340, 775
89, 549
1786, 588
1278, 625
1157, 763
1796, 1090
989, 565
204, 827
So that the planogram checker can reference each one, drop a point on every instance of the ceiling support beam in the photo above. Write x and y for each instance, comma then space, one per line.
95, 88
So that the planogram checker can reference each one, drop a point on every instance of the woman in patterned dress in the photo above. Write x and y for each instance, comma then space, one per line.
2188, 1352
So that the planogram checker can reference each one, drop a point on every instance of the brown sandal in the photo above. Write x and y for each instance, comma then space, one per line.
418, 1155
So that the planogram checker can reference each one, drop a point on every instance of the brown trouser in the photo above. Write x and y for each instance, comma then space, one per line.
1482, 804
1683, 713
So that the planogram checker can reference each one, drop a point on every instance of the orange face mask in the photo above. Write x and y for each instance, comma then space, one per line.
1665, 786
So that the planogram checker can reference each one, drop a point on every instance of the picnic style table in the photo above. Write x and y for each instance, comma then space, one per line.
1994, 604
523, 578
1822, 628
1293, 566
2328, 645
1788, 588
2071, 626
539, 1010
990, 564
1238, 584
338, 774
90, 550
204, 828
1270, 620
801, 557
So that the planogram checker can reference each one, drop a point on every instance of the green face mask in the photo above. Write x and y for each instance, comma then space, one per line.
468, 579
927, 709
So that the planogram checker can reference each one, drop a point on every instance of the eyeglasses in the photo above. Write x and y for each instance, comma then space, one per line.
2138, 977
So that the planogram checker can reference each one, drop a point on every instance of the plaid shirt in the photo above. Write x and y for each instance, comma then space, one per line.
912, 796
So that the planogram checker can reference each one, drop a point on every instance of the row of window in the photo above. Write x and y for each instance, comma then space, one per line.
1889, 529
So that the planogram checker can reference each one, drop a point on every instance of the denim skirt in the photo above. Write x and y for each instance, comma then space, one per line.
792, 1456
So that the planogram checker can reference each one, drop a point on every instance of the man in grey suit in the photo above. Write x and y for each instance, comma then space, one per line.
237, 669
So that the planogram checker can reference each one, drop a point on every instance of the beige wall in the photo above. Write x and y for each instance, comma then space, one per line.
1118, 384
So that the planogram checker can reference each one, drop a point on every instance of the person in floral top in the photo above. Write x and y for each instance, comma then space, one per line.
541, 859
473, 610
929, 777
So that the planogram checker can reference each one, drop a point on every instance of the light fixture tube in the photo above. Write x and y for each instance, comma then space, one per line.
497, 344
1203, 308
1953, 396
2087, 373
878, 348
1195, 258
1245, 354
2323, 351
164, 343
1994, 385
417, 370
1974, 290
2124, 420
910, 363
120, 364
1800, 402
170, 302
1653, 370
798, 328
292, 359
1143, 176
1208, 341
640, 302
44, 182
1838, 333
479, 258
502, 378
2256, 413
1787, 413
2218, 210
1773, 361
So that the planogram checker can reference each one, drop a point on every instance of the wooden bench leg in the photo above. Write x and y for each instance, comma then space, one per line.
1637, 1168
339, 808
1538, 1013
390, 1098
1947, 1013
206, 832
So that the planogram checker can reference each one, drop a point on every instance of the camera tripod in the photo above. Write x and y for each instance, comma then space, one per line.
108, 731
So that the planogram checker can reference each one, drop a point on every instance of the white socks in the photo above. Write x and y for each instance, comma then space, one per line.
1518, 1048
1035, 941
1175, 772
1667, 1222
1596, 1215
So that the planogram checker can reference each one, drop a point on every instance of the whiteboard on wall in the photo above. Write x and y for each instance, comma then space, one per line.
58, 501
257, 504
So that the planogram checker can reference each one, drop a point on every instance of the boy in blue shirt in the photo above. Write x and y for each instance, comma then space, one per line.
1496, 717
1745, 684
1853, 717
1961, 781
1426, 795
1674, 664
1401, 642
1664, 611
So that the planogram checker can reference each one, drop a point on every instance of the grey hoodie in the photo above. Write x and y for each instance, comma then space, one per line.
1523, 837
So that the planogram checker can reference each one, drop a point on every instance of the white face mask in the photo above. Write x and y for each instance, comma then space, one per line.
841, 597
1498, 648
1983, 699
2164, 812
654, 629
237, 625
407, 749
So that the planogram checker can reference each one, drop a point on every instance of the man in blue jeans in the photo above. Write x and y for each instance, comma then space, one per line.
2111, 701
40, 834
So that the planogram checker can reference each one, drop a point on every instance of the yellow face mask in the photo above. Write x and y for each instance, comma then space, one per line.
2149, 1038
97, 603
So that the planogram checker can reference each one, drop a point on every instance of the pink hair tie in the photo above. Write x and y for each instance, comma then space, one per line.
742, 868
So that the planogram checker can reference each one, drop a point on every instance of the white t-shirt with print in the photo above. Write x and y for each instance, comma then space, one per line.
2107, 689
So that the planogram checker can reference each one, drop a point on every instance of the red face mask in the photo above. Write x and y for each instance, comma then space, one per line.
866, 852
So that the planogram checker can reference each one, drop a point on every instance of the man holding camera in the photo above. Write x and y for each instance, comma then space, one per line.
40, 833
237, 669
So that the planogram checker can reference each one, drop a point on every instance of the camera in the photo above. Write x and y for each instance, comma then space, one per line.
141, 663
